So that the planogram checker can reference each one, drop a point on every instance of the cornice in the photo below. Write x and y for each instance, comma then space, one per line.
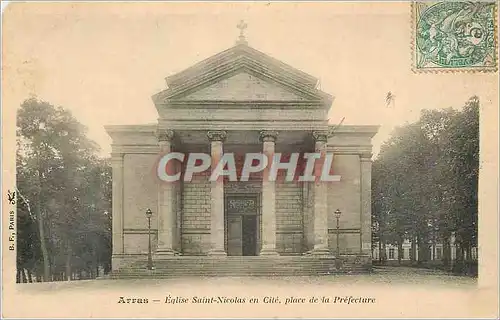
134, 149
365, 130
145, 128
248, 104
288, 125
360, 150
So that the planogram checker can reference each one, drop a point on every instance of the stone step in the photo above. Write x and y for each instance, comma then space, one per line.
212, 275
228, 260
234, 273
236, 266
231, 273
259, 265
245, 266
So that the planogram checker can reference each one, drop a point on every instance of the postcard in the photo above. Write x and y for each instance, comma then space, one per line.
250, 159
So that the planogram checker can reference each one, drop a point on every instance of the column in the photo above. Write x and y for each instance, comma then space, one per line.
117, 194
217, 192
268, 238
366, 215
166, 213
320, 200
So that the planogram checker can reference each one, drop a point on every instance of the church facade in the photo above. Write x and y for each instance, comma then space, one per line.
239, 101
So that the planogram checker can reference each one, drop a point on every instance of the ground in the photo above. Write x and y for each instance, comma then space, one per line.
380, 276
396, 291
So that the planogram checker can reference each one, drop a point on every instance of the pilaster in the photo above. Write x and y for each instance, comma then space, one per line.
166, 211
366, 216
117, 194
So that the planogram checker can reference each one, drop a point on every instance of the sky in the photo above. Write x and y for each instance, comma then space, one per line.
104, 61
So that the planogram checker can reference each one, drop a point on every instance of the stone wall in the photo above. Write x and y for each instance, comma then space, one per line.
289, 218
345, 195
195, 228
140, 192
308, 216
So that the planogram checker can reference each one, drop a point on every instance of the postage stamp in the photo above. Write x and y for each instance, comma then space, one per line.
454, 36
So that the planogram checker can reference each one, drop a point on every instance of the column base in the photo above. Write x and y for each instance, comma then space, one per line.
217, 253
165, 251
268, 252
320, 252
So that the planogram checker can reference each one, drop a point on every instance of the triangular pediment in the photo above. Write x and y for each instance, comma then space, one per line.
244, 86
242, 73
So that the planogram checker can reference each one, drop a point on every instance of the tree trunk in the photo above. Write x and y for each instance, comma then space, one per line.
460, 252
30, 276
422, 248
94, 264
41, 232
400, 250
383, 253
68, 263
18, 276
446, 252
380, 250
413, 255
23, 276
469, 253
26, 275
38, 276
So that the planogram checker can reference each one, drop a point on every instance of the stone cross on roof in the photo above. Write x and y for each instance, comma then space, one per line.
242, 26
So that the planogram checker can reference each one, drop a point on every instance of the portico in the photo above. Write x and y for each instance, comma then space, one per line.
240, 101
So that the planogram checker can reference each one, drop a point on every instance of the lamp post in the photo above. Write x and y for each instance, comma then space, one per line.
337, 216
149, 213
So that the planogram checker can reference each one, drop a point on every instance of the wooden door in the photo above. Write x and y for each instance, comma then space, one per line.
249, 226
234, 236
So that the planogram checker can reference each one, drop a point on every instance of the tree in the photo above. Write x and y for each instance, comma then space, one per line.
425, 182
64, 187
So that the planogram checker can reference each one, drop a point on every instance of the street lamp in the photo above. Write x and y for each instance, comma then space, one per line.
149, 213
337, 215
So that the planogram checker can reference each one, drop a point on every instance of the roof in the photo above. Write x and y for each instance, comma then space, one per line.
241, 58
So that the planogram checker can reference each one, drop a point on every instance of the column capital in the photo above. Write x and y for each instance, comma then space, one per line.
320, 136
268, 136
366, 156
164, 135
116, 158
219, 135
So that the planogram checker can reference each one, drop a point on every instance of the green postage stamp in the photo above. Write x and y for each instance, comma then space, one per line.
454, 36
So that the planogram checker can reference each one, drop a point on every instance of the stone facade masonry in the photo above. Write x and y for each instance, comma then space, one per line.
140, 191
195, 219
196, 215
289, 218
345, 195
